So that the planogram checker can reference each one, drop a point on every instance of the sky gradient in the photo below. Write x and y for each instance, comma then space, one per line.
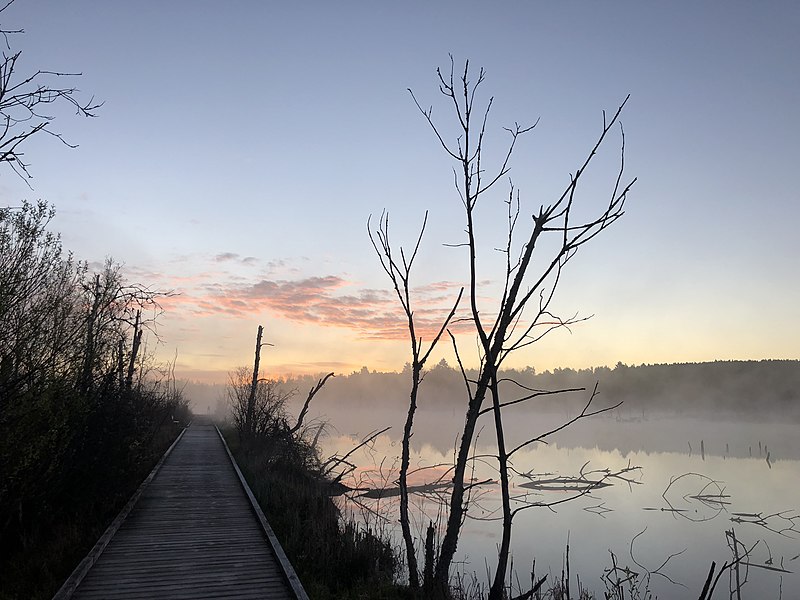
242, 147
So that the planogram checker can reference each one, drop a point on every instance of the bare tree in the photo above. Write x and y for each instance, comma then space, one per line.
26, 101
256, 412
40, 321
113, 311
399, 273
71, 347
38, 284
298, 426
523, 315
258, 403
58, 319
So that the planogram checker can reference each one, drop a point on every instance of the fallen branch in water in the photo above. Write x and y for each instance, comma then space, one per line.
335, 461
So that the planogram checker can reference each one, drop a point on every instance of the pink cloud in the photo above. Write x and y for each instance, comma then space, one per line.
328, 301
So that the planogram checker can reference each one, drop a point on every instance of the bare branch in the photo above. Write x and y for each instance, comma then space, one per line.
585, 413
311, 394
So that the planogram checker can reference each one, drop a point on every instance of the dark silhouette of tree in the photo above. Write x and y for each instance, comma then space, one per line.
258, 404
399, 272
522, 315
26, 102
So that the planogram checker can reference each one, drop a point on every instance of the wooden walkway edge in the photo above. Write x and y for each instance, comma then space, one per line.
66, 591
288, 569
193, 529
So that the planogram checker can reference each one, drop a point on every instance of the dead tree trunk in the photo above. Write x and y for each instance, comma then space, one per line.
135, 344
496, 591
91, 324
121, 363
251, 399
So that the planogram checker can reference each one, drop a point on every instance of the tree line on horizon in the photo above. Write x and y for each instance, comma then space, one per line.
732, 386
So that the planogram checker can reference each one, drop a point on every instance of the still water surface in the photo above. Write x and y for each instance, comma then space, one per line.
698, 480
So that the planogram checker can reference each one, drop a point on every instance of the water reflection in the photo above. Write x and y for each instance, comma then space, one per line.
694, 496
665, 513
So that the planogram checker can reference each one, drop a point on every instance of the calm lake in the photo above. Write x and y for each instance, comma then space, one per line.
686, 483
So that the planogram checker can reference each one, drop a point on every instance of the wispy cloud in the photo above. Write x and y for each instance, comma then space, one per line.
236, 258
328, 301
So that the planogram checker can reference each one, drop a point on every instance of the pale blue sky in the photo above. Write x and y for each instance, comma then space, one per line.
272, 130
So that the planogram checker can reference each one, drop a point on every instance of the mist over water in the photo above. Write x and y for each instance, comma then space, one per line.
715, 444
705, 468
663, 519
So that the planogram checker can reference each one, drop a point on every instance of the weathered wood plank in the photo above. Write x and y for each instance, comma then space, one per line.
283, 560
193, 533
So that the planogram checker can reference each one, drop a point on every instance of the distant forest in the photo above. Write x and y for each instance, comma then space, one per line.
761, 390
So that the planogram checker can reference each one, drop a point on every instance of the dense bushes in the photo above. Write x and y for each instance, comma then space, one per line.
81, 419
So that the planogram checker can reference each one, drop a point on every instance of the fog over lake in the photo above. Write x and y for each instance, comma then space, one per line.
699, 450
608, 519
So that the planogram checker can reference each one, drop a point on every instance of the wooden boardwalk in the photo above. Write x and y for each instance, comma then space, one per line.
193, 533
